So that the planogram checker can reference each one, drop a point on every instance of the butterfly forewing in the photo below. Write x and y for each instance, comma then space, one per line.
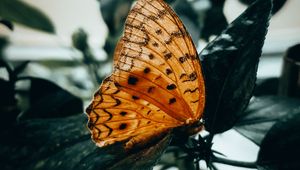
154, 34
156, 84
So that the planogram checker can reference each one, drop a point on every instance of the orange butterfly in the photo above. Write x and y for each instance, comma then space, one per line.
157, 83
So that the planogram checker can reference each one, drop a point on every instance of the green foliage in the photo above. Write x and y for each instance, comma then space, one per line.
22, 13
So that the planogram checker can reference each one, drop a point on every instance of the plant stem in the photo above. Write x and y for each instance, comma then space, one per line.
234, 163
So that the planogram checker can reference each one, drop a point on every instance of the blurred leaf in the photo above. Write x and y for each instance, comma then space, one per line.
144, 159
79, 40
7, 96
3, 43
268, 86
277, 4
101, 158
214, 20
58, 143
8, 24
280, 148
263, 113
20, 12
8, 104
2, 64
21, 67
114, 13
47, 100
171, 1
189, 17
230, 64
65, 143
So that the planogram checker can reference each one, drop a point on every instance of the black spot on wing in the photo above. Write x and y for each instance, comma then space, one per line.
193, 76
182, 59
123, 113
132, 80
172, 100
135, 97
158, 31
122, 126
168, 71
171, 87
146, 70
155, 44
150, 89
168, 56
151, 56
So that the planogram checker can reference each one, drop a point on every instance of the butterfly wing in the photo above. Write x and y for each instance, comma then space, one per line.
115, 115
156, 84
158, 52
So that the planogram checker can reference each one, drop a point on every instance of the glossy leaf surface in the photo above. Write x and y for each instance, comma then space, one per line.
230, 65
280, 148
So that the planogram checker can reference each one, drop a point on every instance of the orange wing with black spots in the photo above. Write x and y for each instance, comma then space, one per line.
156, 84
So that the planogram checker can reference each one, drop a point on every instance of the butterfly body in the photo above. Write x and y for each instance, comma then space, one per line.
156, 85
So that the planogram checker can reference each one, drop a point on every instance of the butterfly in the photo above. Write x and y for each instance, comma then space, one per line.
156, 85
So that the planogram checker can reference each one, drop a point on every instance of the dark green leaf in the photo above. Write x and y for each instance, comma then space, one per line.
8, 24
280, 148
214, 22
20, 12
79, 40
3, 43
8, 104
267, 86
20, 67
58, 143
114, 13
144, 159
277, 4
7, 92
65, 143
47, 100
230, 65
263, 113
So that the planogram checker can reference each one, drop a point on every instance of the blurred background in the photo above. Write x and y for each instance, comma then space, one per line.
68, 45
53, 57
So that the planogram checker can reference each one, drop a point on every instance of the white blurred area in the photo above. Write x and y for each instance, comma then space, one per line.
52, 55
69, 15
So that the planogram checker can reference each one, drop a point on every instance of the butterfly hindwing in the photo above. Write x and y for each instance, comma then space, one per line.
116, 116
